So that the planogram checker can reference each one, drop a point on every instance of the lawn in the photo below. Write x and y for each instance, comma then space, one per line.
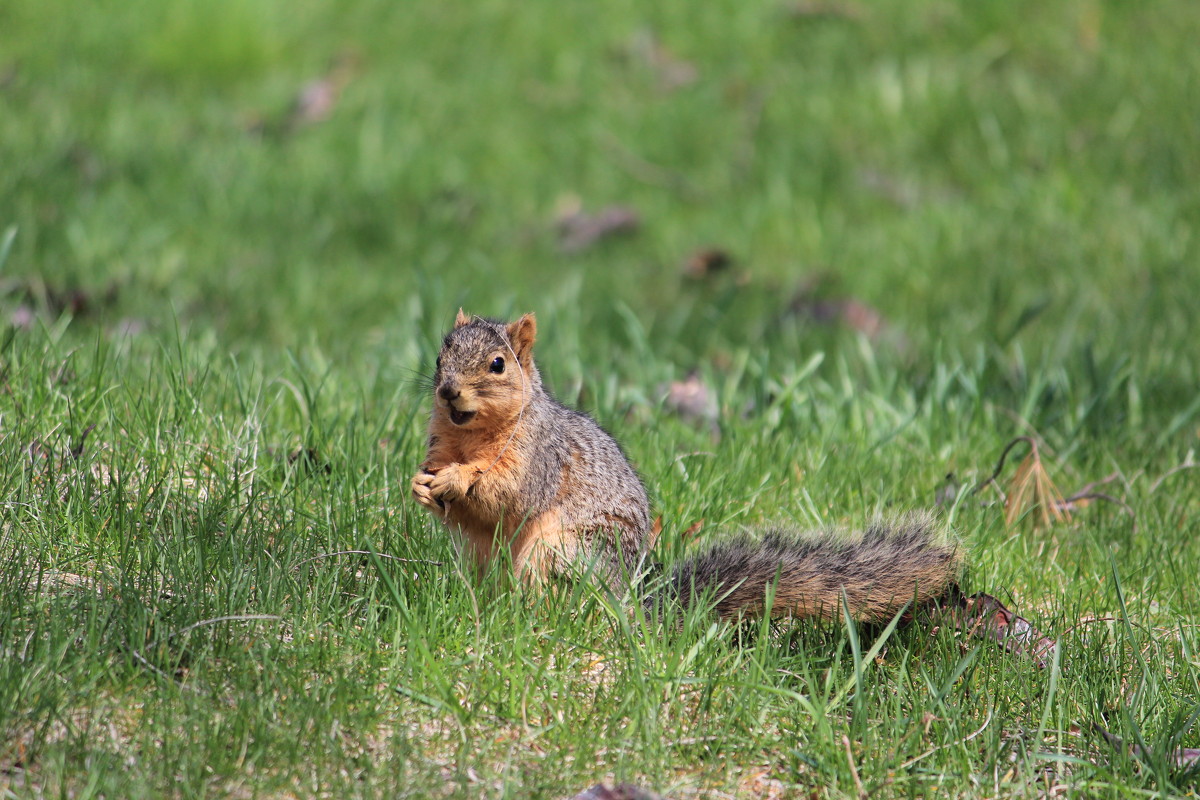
879, 240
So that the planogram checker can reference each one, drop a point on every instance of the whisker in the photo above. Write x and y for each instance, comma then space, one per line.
419, 381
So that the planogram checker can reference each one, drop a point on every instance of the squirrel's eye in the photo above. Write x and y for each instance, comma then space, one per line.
438, 362
497, 365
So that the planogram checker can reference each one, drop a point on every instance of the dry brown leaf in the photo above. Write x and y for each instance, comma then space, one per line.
862, 317
707, 262
316, 99
578, 230
692, 400
1184, 758
655, 530
1032, 495
812, 302
622, 791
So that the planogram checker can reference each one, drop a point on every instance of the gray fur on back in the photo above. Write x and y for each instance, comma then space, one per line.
604, 493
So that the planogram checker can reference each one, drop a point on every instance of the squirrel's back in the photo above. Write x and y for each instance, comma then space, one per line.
589, 479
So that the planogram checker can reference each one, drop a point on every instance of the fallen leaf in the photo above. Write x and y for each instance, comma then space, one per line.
22, 317
809, 303
314, 102
1032, 495
317, 98
1184, 758
54, 300
578, 230
692, 400
310, 459
707, 262
861, 317
622, 791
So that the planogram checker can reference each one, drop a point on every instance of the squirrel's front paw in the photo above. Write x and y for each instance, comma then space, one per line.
450, 483
424, 495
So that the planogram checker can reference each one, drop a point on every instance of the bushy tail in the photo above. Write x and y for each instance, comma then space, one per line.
892, 564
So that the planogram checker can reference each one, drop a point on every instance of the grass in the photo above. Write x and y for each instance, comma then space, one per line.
214, 322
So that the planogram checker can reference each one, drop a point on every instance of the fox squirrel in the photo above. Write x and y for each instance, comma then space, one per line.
509, 468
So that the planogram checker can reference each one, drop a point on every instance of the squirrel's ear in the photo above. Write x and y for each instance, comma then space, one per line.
522, 334
461, 319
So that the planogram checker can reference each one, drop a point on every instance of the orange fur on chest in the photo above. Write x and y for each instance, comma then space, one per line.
490, 517
473, 447
493, 465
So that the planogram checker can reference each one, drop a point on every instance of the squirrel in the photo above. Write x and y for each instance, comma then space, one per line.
511, 469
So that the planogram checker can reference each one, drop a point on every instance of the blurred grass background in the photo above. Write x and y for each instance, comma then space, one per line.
954, 167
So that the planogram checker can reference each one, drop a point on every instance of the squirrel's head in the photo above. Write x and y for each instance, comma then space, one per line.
485, 371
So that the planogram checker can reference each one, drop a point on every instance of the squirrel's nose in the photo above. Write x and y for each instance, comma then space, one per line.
448, 391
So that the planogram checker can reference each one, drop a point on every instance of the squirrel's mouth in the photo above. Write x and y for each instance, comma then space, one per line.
460, 417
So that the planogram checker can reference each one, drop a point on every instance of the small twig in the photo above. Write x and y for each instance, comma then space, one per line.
1088, 492
862, 793
968, 738
1188, 463
1090, 488
299, 564
142, 660
1000, 464
1083, 622
215, 620
682, 456
1070, 503
1185, 758
77, 448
